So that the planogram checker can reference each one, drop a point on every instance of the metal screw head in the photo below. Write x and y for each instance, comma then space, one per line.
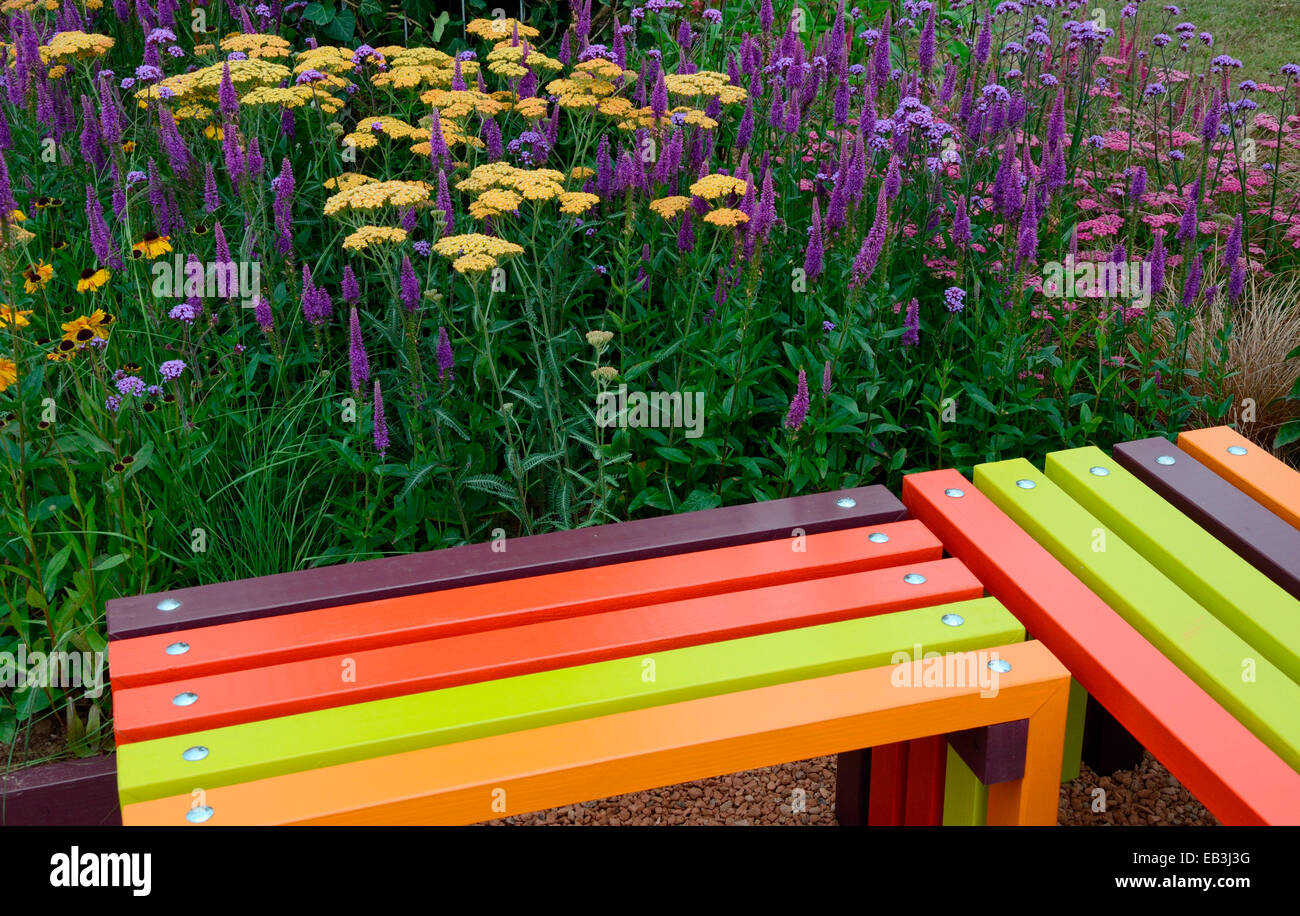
954, 493
914, 578
878, 537
185, 699
1236, 450
198, 814
1000, 665
177, 648
198, 752
952, 620
1025, 484
1099, 471
846, 502
1166, 460
168, 604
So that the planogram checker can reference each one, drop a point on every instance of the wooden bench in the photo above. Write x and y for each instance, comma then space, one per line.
1186, 637
469, 684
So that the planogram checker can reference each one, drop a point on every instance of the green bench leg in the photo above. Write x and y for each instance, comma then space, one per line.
965, 798
1074, 732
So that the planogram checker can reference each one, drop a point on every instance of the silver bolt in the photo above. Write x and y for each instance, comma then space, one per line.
177, 648
1025, 484
1000, 665
846, 502
1099, 471
1236, 450
878, 537
184, 699
198, 752
914, 578
952, 620
954, 493
1166, 460
198, 814
168, 604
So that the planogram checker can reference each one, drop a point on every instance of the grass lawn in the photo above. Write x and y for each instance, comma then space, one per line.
1262, 34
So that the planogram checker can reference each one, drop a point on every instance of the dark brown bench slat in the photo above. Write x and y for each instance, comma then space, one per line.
1252, 531
71, 793
581, 548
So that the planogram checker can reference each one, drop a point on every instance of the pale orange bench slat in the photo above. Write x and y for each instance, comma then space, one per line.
626, 752
1254, 471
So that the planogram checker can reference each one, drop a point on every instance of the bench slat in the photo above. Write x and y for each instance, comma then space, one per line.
580, 548
319, 683
240, 753
1239, 595
1230, 770
1256, 473
1269, 543
452, 612
646, 748
1183, 630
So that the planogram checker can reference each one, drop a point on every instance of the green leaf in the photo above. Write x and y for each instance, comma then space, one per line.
440, 24
675, 455
1289, 433
342, 27
317, 13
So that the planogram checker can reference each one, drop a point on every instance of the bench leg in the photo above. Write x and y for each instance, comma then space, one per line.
1034, 798
925, 781
965, 798
888, 785
852, 780
1074, 727
1107, 745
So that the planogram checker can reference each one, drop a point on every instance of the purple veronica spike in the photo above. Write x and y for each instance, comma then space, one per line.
1187, 225
798, 411
438, 150
227, 99
255, 164
380, 424
984, 42
1158, 265
1194, 273
686, 235
1213, 113
101, 240
813, 259
178, 155
1138, 186
925, 53
961, 235
359, 362
282, 206
912, 324
410, 286
91, 150
211, 199
444, 203
446, 362
874, 242
351, 289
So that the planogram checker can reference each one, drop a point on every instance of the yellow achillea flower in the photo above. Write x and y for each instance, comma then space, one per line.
645, 117
368, 130
257, 45
576, 203
347, 181
9, 315
65, 47
37, 276
213, 132
581, 173
497, 29
533, 108
366, 236
92, 279
605, 69
459, 103
725, 216
705, 82
514, 61
192, 113
8, 372
615, 107
712, 187
604, 373
151, 246
475, 253
204, 83
373, 195
84, 328
411, 77
494, 202
670, 207
534, 184
57, 72
16, 235
326, 59
292, 97
206, 48
419, 57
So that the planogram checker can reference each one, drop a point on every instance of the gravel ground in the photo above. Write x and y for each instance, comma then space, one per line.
1147, 795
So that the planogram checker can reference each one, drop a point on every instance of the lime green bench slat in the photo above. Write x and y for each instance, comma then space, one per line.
254, 750
1252, 605
1185, 632
965, 798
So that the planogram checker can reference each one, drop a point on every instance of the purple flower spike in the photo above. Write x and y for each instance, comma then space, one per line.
798, 411
360, 363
